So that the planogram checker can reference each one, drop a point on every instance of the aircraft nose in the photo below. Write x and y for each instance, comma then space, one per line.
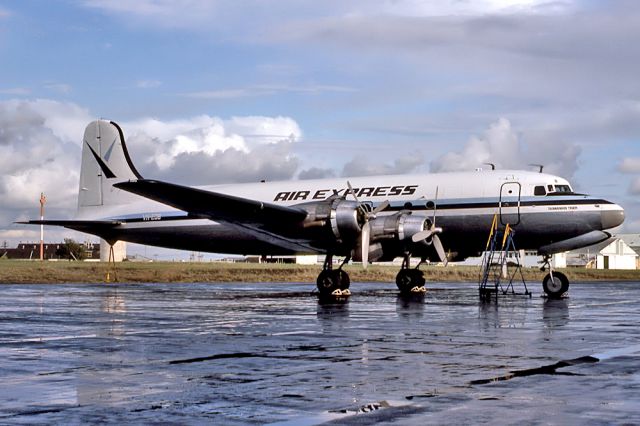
612, 217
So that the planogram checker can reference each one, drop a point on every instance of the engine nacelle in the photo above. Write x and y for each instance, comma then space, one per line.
391, 235
400, 226
341, 217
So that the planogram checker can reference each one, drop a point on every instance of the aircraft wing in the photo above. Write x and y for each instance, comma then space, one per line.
214, 205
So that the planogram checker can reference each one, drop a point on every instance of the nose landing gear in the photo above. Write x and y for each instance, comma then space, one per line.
554, 284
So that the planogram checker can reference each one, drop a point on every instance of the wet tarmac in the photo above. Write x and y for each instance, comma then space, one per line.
272, 354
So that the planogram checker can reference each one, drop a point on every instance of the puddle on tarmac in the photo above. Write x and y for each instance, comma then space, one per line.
271, 353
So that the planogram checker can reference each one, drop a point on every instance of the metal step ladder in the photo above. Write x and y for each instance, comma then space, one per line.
500, 264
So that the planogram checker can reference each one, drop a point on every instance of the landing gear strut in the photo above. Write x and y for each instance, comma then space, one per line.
554, 284
333, 282
410, 280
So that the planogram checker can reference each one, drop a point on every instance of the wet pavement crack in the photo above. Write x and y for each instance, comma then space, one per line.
217, 356
546, 369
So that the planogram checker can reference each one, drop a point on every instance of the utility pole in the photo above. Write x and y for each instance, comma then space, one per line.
43, 200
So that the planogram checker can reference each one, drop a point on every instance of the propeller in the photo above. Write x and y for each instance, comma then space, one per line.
432, 232
365, 233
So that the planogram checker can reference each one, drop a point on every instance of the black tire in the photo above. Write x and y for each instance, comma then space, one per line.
557, 287
327, 282
342, 279
408, 279
418, 278
403, 281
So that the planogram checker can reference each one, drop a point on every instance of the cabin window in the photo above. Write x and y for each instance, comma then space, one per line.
539, 190
550, 188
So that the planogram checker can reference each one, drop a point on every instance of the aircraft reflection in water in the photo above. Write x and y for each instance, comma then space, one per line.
438, 217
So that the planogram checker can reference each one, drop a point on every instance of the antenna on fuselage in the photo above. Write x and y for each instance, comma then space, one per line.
493, 166
538, 165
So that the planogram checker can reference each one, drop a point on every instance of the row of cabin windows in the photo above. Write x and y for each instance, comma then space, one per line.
552, 189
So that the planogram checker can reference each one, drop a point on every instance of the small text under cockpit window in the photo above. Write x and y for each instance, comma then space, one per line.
539, 190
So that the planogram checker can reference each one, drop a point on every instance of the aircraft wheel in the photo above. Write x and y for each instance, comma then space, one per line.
557, 286
342, 278
408, 279
327, 282
334, 282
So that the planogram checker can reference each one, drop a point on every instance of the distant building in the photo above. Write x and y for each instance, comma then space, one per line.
31, 251
611, 254
298, 260
633, 241
119, 251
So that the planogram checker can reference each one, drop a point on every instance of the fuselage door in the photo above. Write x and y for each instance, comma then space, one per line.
509, 206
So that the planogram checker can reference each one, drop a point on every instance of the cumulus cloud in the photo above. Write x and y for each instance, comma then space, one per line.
41, 145
629, 165
205, 149
316, 173
360, 166
501, 146
40, 142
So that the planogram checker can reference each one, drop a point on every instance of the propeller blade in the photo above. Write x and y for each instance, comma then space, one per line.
366, 234
422, 235
353, 192
437, 244
381, 207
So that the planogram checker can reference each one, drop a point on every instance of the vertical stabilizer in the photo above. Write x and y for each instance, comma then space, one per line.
105, 161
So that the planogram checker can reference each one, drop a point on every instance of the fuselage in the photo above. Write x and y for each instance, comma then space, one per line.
542, 208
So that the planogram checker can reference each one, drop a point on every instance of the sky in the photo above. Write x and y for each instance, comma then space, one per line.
238, 91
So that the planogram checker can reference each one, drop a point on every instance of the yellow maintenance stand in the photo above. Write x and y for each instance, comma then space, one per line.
500, 263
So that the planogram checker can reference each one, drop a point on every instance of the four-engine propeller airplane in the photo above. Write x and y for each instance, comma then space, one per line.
367, 219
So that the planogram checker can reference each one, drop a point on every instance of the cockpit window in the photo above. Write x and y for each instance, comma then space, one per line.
566, 189
553, 190
539, 190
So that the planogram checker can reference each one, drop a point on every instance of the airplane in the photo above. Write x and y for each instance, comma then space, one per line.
364, 219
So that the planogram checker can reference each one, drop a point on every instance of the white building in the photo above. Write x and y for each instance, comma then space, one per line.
633, 241
611, 254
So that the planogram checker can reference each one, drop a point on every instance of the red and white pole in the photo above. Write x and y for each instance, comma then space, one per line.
43, 200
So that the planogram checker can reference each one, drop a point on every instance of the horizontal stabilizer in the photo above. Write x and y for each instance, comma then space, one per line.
95, 227
213, 205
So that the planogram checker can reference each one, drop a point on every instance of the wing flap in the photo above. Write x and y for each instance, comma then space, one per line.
213, 205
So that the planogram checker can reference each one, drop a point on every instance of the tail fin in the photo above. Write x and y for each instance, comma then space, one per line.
105, 161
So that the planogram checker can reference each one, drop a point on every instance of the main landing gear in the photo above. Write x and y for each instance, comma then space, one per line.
408, 280
554, 284
333, 282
